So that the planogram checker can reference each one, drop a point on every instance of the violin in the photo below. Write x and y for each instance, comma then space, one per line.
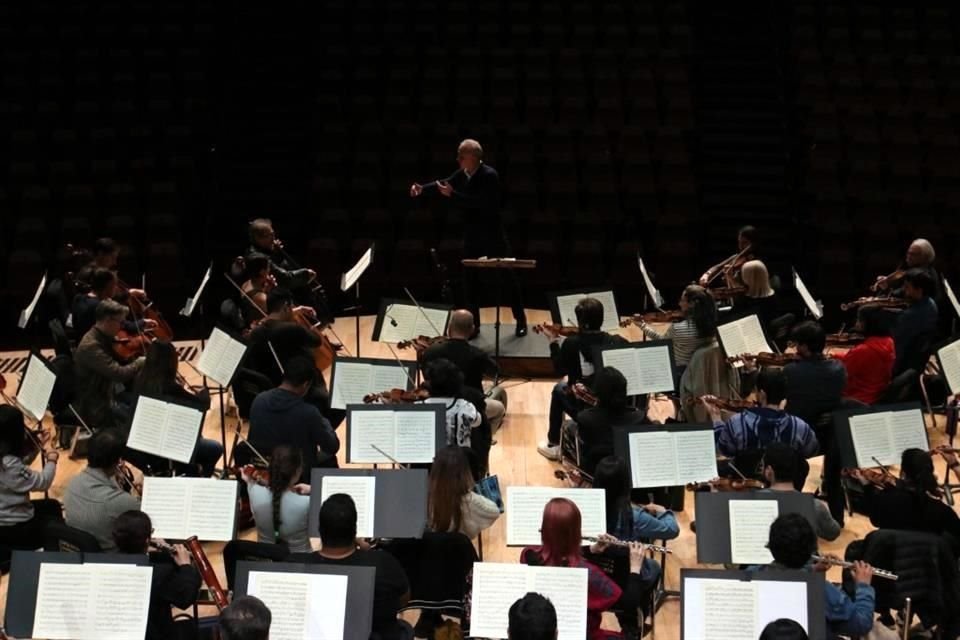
130, 346
883, 282
727, 484
725, 293
258, 474
885, 302
766, 359
557, 329
126, 481
420, 343
653, 316
735, 261
844, 339
879, 478
583, 394
397, 396
734, 405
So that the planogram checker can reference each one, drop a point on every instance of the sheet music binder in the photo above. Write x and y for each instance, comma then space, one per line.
410, 366
621, 440
386, 303
440, 419
400, 503
360, 581
713, 518
611, 316
648, 344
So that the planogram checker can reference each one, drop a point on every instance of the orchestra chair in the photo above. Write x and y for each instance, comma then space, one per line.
231, 317
59, 536
934, 392
239, 550
571, 453
615, 562
902, 388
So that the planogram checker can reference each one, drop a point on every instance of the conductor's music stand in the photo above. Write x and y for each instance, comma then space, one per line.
499, 264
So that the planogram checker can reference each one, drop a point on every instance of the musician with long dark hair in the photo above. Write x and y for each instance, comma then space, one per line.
281, 508
594, 425
697, 329
452, 504
23, 520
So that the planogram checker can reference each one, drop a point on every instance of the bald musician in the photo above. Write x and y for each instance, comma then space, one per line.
475, 189
474, 363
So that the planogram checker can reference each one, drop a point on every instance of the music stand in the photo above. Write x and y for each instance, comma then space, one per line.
498, 264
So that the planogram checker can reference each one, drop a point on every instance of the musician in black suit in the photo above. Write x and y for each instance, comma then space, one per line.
475, 189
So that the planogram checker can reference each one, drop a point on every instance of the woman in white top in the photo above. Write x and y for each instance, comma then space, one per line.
445, 381
452, 503
697, 329
281, 509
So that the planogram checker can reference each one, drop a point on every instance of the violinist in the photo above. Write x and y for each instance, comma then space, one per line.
281, 416
697, 329
472, 361
93, 499
475, 189
175, 582
781, 471
98, 371
815, 383
23, 520
920, 255
915, 503
869, 364
159, 379
574, 359
747, 245
281, 508
258, 283
264, 244
103, 286
445, 382
745, 435
916, 326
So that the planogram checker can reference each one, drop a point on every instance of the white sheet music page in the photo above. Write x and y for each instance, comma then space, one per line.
27, 313
951, 296
180, 432
389, 375
496, 586
368, 429
147, 428
416, 436
624, 360
815, 309
405, 317
303, 606
211, 509
655, 369
35, 390
524, 508
652, 291
750, 522
653, 459
351, 382
350, 277
122, 600
566, 306
431, 322
363, 491
221, 356
719, 609
191, 303
907, 431
611, 318
696, 455
950, 364
871, 437
566, 588
731, 339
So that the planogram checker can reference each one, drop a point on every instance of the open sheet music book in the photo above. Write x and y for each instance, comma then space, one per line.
407, 435
733, 609
304, 606
221, 356
36, 387
191, 303
816, 310
671, 458
407, 321
648, 367
885, 435
353, 378
567, 303
27, 313
92, 601
743, 336
525, 511
949, 357
750, 522
497, 586
363, 491
185, 507
165, 429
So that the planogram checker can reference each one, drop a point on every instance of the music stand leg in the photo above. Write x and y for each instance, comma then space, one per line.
223, 430
356, 309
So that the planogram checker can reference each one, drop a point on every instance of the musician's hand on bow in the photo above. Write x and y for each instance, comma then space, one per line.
139, 294
710, 402
277, 244
603, 541
949, 457
549, 331
311, 275
415, 190
880, 284
149, 325
306, 310
363, 544
862, 572
445, 188
52, 456
824, 565
857, 475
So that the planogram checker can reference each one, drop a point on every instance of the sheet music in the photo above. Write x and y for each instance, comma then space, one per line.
368, 428
351, 382
165, 429
27, 313
35, 390
624, 361
750, 522
655, 369
411, 322
183, 507
363, 491
951, 296
907, 431
388, 376
496, 586
950, 364
524, 508
220, 358
652, 291
696, 456
416, 436
718, 609
350, 277
567, 304
191, 303
870, 433
95, 601
303, 606
671, 458
815, 309
743, 336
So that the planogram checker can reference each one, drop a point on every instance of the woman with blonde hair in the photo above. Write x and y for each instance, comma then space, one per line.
759, 299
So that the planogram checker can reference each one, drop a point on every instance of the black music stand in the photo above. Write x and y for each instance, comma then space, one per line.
498, 264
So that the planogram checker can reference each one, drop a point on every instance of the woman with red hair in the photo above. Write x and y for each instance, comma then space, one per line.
561, 536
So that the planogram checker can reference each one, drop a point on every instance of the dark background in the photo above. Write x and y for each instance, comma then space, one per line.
616, 126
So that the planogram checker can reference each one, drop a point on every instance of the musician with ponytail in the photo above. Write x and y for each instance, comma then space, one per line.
697, 329
281, 509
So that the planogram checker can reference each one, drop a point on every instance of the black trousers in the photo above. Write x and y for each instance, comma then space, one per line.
29, 535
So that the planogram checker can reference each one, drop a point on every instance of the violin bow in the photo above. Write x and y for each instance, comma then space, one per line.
246, 296
402, 366
388, 456
276, 358
737, 471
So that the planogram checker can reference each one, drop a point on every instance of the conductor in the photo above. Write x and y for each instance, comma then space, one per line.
475, 189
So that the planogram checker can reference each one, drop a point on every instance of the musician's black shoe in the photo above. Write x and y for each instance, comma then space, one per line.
475, 334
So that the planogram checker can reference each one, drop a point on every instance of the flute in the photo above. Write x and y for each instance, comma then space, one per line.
620, 543
880, 573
